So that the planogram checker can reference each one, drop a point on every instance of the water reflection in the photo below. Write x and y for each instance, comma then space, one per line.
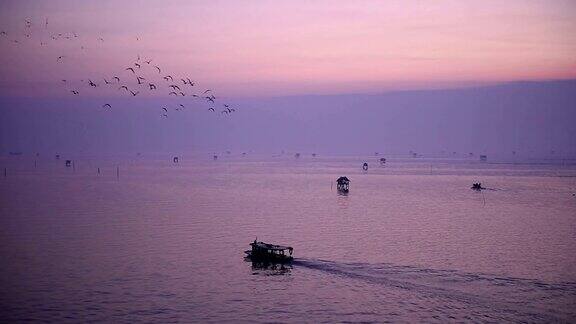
269, 268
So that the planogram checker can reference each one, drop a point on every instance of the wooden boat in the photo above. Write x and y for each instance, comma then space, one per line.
265, 252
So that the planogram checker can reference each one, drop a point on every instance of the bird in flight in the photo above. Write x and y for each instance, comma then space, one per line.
137, 65
74, 92
190, 82
106, 105
140, 79
130, 69
166, 110
134, 93
182, 94
164, 115
173, 86
181, 105
174, 93
116, 78
59, 58
157, 68
123, 87
148, 62
168, 77
106, 81
205, 91
3, 33
210, 99
211, 108
92, 84
152, 86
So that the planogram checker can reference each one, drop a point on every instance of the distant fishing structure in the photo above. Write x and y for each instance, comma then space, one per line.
343, 184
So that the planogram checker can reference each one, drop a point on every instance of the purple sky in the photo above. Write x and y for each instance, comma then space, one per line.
325, 76
264, 48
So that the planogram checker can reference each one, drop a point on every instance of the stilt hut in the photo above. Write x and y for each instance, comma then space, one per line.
68, 163
343, 184
365, 166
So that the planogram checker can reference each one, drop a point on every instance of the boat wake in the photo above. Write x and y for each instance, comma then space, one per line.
526, 299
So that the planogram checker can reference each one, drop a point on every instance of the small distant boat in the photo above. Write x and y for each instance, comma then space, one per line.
265, 252
477, 186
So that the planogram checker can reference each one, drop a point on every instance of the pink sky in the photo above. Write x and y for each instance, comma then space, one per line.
254, 48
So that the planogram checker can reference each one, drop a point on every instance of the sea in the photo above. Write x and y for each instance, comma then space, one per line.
144, 239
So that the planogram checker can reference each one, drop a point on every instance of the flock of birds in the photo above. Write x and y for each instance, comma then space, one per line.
138, 77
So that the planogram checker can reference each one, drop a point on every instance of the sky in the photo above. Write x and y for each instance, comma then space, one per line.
276, 48
490, 77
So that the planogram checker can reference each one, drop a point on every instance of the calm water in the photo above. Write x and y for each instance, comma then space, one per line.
164, 243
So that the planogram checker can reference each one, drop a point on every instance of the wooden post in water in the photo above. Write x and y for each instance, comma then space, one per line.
73, 166
98, 170
5, 173
117, 173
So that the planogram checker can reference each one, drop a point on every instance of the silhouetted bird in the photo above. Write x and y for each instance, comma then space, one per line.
106, 105
158, 69
117, 78
134, 93
137, 65
123, 87
152, 86
173, 86
168, 77
131, 69
174, 93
